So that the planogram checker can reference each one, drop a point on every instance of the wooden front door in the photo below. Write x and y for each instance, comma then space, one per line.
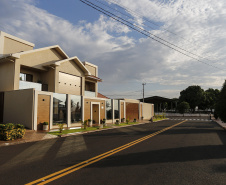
95, 113
43, 110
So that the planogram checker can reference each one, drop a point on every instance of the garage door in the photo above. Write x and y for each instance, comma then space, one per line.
69, 84
132, 111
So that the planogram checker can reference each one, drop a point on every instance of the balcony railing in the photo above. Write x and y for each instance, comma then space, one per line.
30, 85
90, 94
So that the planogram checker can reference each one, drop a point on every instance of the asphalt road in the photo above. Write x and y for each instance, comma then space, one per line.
193, 152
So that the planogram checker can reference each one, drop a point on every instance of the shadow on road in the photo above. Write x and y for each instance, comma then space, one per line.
182, 154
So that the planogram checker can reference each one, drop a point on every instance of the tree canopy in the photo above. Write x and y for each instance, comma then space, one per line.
212, 96
183, 107
221, 104
194, 95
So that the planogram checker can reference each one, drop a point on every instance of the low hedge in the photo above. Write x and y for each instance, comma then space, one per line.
10, 131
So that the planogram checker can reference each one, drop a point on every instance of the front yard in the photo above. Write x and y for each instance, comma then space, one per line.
97, 128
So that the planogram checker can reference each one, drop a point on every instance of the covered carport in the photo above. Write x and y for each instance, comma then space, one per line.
161, 103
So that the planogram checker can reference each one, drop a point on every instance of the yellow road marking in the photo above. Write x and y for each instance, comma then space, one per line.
90, 161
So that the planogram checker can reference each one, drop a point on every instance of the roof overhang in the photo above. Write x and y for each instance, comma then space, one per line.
77, 61
56, 47
92, 77
9, 57
13, 55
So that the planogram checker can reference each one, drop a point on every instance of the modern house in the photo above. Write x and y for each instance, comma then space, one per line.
38, 85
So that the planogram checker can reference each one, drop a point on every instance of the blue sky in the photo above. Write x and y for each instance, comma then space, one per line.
71, 10
126, 59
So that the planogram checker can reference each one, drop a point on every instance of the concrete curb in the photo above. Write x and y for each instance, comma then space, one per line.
220, 123
113, 127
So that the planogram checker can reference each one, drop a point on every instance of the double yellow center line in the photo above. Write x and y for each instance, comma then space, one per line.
66, 171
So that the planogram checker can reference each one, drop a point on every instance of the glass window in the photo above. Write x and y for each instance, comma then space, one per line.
22, 77
26, 77
89, 86
116, 108
108, 109
76, 109
59, 108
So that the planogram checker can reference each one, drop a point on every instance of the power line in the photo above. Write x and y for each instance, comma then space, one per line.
147, 31
140, 31
120, 11
141, 16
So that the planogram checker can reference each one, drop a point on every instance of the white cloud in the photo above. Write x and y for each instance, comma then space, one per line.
42, 28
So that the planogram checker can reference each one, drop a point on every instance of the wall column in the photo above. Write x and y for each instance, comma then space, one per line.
68, 110
113, 111
82, 107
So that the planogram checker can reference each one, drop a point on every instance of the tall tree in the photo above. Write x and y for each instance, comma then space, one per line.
194, 95
221, 104
212, 96
183, 107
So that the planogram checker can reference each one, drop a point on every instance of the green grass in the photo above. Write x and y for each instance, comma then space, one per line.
157, 119
124, 124
95, 128
74, 130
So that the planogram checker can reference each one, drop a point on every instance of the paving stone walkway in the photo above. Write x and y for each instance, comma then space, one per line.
29, 136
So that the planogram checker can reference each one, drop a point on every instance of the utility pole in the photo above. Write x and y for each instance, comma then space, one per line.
143, 90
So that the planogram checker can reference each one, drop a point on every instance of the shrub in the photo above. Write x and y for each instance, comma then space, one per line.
11, 131
45, 123
221, 104
61, 126
103, 121
19, 126
85, 124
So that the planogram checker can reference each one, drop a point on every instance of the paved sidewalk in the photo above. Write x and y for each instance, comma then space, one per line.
29, 136
220, 123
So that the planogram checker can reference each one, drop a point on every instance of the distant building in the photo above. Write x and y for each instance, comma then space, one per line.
161, 103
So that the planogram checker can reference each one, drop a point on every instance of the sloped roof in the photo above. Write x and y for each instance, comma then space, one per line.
57, 47
99, 95
76, 60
